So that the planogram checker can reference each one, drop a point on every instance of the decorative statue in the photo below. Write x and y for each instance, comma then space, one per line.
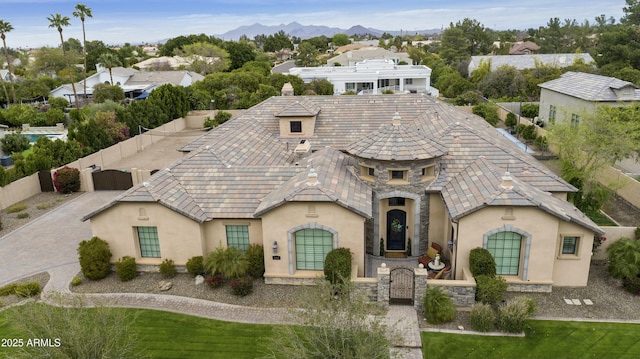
436, 261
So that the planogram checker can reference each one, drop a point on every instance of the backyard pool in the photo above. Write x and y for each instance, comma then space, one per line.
33, 137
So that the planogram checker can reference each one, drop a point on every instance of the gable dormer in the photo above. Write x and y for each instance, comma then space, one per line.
625, 93
298, 119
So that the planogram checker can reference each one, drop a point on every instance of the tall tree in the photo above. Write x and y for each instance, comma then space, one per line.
109, 60
82, 12
631, 13
4, 28
58, 21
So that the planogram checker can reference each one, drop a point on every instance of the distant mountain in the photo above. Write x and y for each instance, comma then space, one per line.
308, 31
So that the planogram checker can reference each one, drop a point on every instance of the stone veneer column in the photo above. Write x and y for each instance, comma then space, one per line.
384, 277
419, 286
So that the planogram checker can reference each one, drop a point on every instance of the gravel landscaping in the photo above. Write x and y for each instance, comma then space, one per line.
34, 207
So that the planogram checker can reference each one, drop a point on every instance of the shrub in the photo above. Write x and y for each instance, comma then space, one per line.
487, 111
14, 143
195, 266
337, 265
229, 262
126, 268
529, 132
530, 110
215, 281
76, 281
490, 290
94, 256
255, 256
637, 234
29, 289
45, 205
242, 286
209, 122
624, 259
481, 262
19, 207
513, 315
23, 215
438, 307
482, 318
67, 180
222, 117
168, 268
511, 120
8, 289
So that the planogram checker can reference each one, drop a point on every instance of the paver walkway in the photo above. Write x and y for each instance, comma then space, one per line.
405, 320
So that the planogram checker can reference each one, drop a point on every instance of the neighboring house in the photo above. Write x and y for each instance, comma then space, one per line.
351, 58
6, 76
522, 62
135, 83
575, 93
302, 175
371, 76
162, 62
524, 48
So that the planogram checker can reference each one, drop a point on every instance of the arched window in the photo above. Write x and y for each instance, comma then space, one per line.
505, 247
312, 246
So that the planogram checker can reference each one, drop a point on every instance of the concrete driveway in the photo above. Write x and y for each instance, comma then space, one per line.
49, 243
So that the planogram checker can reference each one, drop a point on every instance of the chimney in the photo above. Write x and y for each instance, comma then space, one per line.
507, 181
396, 119
312, 178
287, 89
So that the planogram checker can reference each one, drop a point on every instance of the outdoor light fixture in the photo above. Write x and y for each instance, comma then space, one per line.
450, 245
275, 247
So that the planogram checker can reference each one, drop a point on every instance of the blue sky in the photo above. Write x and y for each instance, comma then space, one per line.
119, 21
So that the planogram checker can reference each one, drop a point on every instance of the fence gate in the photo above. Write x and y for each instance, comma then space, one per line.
46, 182
401, 287
111, 180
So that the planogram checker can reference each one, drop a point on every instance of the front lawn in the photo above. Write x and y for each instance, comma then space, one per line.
170, 335
544, 339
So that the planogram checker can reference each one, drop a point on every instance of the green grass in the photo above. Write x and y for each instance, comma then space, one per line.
544, 339
170, 335
602, 220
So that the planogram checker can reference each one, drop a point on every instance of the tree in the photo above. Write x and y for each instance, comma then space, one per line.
205, 58
109, 60
320, 87
277, 42
631, 13
104, 92
453, 45
505, 81
307, 55
76, 329
334, 326
14, 143
171, 99
4, 28
239, 53
58, 21
340, 40
82, 12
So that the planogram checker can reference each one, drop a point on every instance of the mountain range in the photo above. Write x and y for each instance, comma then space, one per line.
309, 31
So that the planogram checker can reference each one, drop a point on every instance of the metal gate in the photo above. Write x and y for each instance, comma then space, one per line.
46, 182
111, 180
401, 286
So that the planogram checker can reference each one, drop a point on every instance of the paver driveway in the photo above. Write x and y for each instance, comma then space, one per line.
49, 242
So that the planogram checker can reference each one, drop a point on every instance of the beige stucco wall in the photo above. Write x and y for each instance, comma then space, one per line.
215, 232
278, 222
544, 265
308, 126
439, 222
179, 236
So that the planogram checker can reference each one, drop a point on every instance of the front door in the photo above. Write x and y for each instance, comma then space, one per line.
396, 229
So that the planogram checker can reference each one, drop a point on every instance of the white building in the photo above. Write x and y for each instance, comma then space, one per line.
371, 77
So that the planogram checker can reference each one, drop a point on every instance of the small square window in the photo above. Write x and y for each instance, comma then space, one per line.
398, 175
371, 171
570, 245
295, 126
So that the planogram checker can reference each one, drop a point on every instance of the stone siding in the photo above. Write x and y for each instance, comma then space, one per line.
529, 288
463, 295
370, 289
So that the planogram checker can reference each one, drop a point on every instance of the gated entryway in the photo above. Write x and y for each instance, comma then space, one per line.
401, 286
111, 180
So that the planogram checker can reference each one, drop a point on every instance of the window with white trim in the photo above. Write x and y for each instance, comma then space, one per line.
238, 237
312, 247
148, 242
505, 247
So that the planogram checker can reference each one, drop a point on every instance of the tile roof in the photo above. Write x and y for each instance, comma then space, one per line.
480, 185
397, 142
243, 168
591, 87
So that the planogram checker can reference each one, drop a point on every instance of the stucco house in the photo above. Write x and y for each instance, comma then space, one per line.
575, 93
133, 82
371, 77
304, 175
352, 57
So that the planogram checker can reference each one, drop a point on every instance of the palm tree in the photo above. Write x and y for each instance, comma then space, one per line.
109, 60
4, 28
58, 21
82, 11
